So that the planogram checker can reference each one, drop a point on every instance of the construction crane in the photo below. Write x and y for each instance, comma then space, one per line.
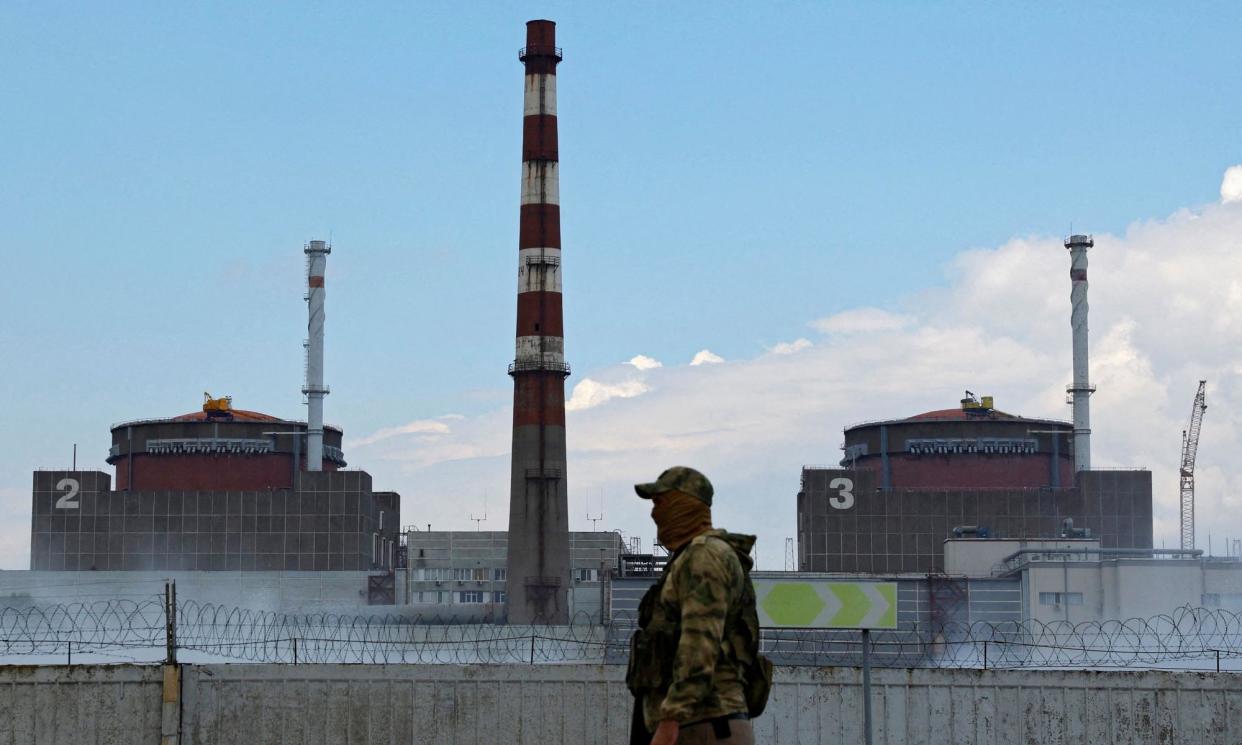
217, 407
1190, 448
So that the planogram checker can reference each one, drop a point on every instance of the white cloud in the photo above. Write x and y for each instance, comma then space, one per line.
1231, 185
643, 362
706, 357
791, 347
1165, 299
862, 320
418, 426
590, 393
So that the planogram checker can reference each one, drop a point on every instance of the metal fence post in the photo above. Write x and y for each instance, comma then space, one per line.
866, 671
170, 622
985, 655
71, 656
295, 650
532, 649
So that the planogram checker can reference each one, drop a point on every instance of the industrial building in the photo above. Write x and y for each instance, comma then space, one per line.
214, 490
1010, 581
1079, 580
906, 485
464, 574
224, 489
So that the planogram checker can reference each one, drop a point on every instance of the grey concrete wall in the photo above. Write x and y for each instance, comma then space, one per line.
100, 704
552, 704
589, 704
290, 592
338, 704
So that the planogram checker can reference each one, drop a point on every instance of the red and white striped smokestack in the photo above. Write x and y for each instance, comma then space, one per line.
538, 561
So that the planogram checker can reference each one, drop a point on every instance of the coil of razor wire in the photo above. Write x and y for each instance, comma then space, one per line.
215, 631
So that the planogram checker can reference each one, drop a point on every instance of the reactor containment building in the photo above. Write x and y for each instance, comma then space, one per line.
220, 489
907, 485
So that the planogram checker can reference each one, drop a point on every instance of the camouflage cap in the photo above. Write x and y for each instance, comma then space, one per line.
680, 478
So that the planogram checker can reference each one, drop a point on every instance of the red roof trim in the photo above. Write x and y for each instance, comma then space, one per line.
236, 414
959, 415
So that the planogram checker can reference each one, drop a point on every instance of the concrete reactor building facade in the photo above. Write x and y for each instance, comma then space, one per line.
907, 485
217, 490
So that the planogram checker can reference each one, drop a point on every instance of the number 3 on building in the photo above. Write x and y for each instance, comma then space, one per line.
845, 494
66, 502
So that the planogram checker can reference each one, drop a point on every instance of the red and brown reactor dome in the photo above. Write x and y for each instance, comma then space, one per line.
216, 449
971, 446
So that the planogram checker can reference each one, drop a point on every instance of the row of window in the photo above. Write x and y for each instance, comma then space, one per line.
483, 574
1060, 598
1209, 599
980, 445
476, 574
1222, 599
383, 551
465, 597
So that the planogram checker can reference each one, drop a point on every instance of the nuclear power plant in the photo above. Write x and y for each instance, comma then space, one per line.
913, 497
962, 570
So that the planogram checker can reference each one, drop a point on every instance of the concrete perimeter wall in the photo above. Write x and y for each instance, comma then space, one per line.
97, 704
553, 704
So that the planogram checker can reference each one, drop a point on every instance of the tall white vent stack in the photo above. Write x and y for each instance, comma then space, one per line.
316, 262
1081, 389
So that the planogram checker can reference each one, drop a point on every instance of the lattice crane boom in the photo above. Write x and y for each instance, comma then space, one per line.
1190, 449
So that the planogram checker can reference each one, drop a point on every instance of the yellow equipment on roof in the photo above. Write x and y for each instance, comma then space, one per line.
974, 403
221, 405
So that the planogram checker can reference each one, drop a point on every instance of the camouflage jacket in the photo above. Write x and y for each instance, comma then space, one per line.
681, 660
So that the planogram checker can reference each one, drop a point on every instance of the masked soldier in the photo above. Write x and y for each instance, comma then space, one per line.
695, 668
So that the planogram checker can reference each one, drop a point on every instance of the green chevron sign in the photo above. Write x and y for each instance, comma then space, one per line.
819, 604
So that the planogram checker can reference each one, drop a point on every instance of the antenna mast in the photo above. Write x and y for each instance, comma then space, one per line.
595, 520
478, 521
1190, 448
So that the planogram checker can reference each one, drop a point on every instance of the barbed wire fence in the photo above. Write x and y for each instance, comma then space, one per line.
161, 628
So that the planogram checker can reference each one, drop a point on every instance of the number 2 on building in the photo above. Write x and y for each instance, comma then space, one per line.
67, 502
844, 498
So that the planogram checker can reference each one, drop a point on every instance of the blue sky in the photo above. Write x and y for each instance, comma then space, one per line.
730, 174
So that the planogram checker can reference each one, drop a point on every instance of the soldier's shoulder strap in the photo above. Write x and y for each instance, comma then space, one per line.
702, 538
